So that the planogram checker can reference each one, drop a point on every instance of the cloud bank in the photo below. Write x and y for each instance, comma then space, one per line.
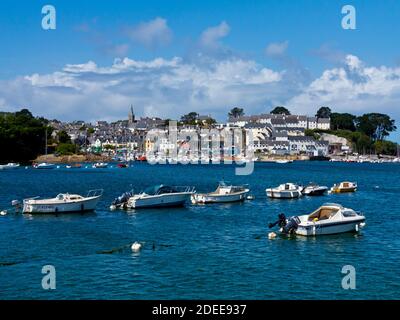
170, 88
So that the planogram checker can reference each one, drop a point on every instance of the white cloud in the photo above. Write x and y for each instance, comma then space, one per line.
166, 88
171, 87
152, 33
277, 49
211, 36
353, 88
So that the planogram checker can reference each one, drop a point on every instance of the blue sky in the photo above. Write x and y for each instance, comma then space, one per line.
214, 54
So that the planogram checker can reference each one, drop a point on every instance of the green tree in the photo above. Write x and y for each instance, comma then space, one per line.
386, 147
190, 118
22, 136
377, 126
343, 121
280, 110
63, 137
66, 149
323, 112
236, 112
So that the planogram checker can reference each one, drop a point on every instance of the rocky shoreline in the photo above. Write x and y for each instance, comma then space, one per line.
75, 158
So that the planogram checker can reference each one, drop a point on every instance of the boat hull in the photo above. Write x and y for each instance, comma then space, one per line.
344, 190
214, 198
159, 201
37, 206
285, 194
330, 228
314, 191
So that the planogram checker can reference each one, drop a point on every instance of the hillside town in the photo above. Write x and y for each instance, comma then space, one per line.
272, 134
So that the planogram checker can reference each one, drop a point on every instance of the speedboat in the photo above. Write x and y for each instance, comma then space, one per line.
285, 191
100, 165
224, 193
63, 202
330, 218
161, 196
314, 190
44, 165
344, 187
8, 166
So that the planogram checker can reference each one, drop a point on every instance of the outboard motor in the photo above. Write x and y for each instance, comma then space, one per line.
122, 199
281, 221
291, 225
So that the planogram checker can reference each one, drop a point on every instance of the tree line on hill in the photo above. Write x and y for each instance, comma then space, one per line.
23, 137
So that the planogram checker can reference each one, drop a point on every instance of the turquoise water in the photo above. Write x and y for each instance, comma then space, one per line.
200, 252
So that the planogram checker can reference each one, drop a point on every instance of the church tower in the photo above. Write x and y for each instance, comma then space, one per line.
131, 116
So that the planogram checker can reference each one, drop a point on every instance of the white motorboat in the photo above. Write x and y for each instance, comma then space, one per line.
330, 218
224, 193
62, 203
161, 196
9, 166
285, 191
314, 190
283, 161
44, 165
100, 165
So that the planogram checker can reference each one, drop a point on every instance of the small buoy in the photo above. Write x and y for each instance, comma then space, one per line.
271, 235
3, 213
250, 197
136, 246
113, 207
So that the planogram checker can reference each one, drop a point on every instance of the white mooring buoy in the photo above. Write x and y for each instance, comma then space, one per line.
136, 246
271, 235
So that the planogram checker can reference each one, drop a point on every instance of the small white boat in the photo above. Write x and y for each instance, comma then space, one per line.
285, 191
62, 203
224, 193
161, 196
344, 187
330, 218
44, 165
9, 166
100, 165
314, 190
283, 161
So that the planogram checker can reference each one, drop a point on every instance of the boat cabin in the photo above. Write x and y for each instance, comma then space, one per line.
323, 213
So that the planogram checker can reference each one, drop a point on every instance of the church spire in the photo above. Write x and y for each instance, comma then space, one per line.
131, 116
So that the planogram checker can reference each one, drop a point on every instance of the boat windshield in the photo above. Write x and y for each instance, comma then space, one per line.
323, 213
159, 189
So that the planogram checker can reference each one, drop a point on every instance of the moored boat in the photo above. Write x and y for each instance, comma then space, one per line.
100, 165
9, 166
63, 203
343, 187
161, 196
285, 191
330, 218
44, 165
314, 190
74, 166
224, 193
